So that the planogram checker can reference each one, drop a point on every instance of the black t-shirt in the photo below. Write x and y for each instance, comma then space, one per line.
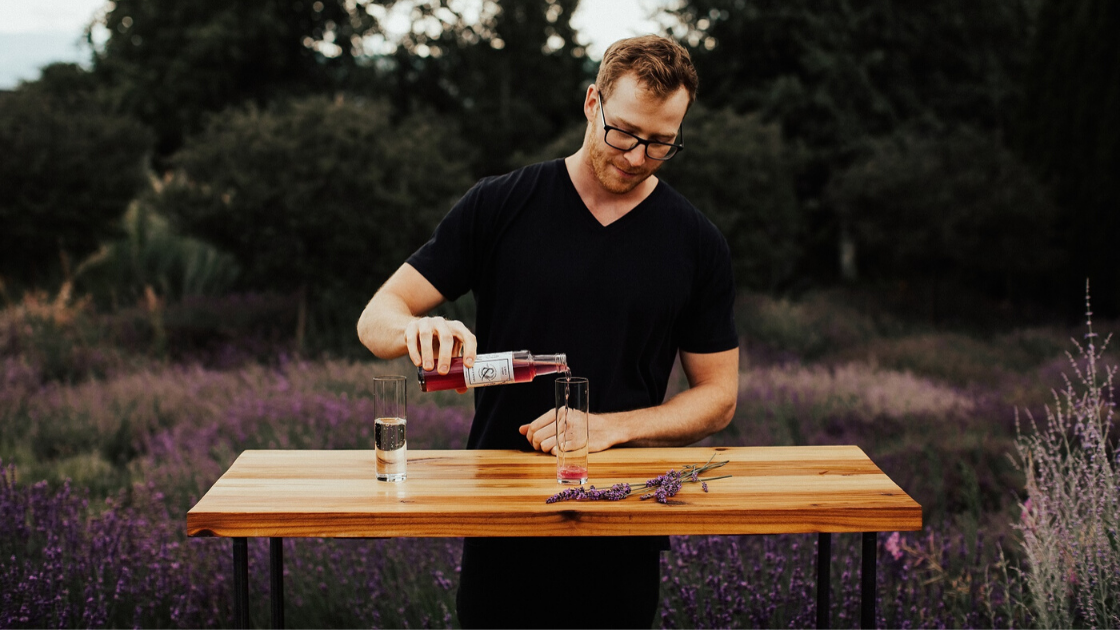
547, 277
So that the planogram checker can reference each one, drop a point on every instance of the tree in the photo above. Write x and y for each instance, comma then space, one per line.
1071, 135
740, 173
955, 211
172, 63
68, 169
513, 77
837, 73
838, 76
322, 197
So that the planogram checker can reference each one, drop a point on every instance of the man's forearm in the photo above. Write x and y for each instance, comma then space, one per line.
382, 324
692, 415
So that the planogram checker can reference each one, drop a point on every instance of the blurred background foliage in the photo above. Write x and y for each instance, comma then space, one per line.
956, 159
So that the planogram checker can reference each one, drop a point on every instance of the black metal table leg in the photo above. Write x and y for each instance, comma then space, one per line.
867, 579
276, 574
824, 578
241, 582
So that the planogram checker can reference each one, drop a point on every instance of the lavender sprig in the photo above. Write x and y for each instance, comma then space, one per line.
663, 487
617, 492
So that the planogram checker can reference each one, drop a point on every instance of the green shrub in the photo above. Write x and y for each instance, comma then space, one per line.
317, 197
68, 168
816, 325
740, 173
151, 254
956, 207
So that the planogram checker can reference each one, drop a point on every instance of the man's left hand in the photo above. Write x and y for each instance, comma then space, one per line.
541, 432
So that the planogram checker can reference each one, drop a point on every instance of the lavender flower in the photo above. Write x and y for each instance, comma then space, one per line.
664, 486
1069, 520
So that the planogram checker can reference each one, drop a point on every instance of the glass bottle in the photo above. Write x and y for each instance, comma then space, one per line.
497, 368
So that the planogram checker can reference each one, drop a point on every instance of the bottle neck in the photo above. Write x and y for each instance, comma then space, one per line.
550, 364
559, 360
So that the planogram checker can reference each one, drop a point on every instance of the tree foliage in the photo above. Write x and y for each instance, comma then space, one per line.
330, 196
741, 174
822, 128
68, 169
513, 77
172, 63
841, 77
960, 208
837, 73
1071, 134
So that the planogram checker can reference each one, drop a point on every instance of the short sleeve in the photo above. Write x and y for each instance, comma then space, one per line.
447, 259
707, 323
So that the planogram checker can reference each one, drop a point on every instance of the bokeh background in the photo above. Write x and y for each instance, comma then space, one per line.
198, 200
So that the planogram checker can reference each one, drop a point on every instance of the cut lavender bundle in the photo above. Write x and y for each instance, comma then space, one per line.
617, 492
662, 487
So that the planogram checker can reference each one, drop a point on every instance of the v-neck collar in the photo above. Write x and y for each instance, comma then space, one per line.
571, 186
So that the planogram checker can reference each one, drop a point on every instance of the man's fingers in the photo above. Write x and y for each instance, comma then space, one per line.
539, 429
433, 341
411, 333
425, 339
446, 344
543, 433
469, 345
548, 445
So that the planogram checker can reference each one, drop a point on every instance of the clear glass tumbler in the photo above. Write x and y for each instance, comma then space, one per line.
571, 430
390, 411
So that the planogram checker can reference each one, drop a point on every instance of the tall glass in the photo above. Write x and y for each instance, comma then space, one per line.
391, 415
571, 430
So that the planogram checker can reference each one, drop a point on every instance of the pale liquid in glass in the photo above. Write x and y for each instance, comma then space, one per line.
391, 448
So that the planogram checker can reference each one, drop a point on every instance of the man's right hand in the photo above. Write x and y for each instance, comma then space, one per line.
433, 341
390, 326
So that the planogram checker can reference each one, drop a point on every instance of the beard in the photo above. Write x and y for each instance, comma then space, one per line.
604, 161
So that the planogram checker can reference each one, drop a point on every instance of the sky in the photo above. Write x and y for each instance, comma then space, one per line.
34, 33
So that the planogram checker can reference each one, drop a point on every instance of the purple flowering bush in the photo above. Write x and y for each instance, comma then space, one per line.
931, 579
1071, 518
99, 470
65, 563
128, 563
98, 477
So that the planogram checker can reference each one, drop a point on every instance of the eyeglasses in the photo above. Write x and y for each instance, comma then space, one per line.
626, 141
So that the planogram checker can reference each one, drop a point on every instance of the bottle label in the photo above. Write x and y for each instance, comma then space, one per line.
490, 369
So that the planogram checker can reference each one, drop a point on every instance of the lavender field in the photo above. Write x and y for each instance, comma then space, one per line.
106, 443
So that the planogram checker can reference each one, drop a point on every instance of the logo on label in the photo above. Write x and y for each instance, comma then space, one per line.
490, 369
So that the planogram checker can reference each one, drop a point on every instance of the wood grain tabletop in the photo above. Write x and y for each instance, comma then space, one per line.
452, 493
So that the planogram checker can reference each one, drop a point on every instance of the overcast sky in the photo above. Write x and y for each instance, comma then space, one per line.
37, 32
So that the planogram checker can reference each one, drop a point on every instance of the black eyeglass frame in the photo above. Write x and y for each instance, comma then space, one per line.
677, 147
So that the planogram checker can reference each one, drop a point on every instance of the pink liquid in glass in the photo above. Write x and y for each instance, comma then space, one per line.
571, 474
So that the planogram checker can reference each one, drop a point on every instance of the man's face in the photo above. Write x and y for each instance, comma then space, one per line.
634, 109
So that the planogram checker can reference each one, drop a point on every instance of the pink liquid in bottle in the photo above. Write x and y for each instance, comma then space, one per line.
524, 368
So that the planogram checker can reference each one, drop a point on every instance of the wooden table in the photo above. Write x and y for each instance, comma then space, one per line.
334, 494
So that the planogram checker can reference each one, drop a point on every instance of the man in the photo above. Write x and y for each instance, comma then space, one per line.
595, 257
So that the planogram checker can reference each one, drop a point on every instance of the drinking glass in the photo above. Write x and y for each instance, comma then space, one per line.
389, 408
571, 430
